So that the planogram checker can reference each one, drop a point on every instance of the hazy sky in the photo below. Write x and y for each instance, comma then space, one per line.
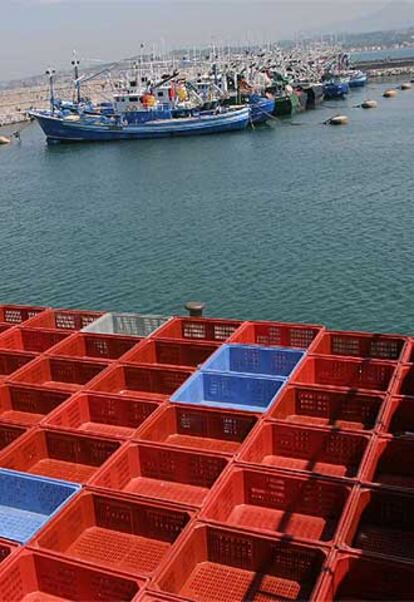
36, 33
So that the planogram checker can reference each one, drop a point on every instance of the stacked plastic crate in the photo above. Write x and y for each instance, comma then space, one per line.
148, 458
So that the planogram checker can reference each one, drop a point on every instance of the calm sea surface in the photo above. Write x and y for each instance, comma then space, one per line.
290, 222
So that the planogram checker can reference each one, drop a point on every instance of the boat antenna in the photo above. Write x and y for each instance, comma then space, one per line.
51, 73
75, 64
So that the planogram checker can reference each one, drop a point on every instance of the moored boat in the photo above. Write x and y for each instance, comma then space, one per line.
80, 128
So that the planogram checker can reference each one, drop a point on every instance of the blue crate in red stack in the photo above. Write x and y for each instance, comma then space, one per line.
28, 502
248, 359
230, 391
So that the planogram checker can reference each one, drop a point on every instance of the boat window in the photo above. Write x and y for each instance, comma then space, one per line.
133, 98
160, 94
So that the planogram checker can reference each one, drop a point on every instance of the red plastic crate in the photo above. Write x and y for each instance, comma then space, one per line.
381, 522
64, 319
198, 329
142, 382
293, 505
346, 409
390, 462
9, 434
198, 428
179, 476
5, 327
355, 577
17, 314
409, 352
30, 339
404, 383
317, 450
277, 334
11, 362
27, 405
60, 373
99, 414
42, 578
361, 344
59, 455
174, 353
7, 549
220, 564
129, 536
94, 346
353, 373
398, 417
151, 596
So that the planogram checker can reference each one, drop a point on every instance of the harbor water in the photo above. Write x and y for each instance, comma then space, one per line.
292, 221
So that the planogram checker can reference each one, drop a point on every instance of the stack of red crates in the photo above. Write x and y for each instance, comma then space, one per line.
312, 500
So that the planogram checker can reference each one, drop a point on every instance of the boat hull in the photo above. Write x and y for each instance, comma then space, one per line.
57, 129
337, 90
262, 109
358, 82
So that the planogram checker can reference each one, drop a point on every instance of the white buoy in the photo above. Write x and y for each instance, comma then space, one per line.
4, 140
338, 120
390, 93
406, 86
369, 104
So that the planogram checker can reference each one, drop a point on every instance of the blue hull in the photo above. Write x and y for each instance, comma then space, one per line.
262, 109
358, 82
58, 129
338, 90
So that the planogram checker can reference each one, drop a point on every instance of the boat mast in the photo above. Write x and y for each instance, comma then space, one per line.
75, 64
51, 73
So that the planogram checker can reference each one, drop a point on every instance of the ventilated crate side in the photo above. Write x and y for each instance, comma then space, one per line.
316, 450
382, 522
361, 344
357, 374
32, 340
64, 319
27, 405
354, 577
221, 431
318, 406
156, 472
35, 576
131, 536
59, 455
277, 334
17, 314
60, 373
288, 504
222, 564
254, 360
398, 417
389, 462
141, 380
11, 362
198, 329
102, 414
174, 353
9, 434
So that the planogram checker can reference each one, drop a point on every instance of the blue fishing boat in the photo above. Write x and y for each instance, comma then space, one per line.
358, 79
153, 124
262, 108
336, 88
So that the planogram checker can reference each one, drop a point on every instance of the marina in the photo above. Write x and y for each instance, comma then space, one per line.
206, 329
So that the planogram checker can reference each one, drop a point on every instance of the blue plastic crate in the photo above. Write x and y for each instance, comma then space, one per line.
247, 359
231, 391
28, 502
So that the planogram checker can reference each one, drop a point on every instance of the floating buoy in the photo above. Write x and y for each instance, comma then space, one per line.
4, 140
390, 93
406, 86
338, 120
369, 104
